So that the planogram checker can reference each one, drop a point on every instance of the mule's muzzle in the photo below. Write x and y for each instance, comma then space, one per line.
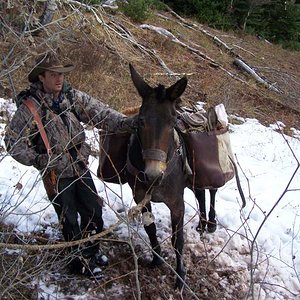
154, 180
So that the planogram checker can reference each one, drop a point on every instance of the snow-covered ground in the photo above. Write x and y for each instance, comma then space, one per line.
269, 224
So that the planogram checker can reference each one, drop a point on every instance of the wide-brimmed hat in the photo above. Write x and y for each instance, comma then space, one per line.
48, 62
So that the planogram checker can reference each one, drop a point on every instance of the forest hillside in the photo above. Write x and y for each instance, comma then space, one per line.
101, 42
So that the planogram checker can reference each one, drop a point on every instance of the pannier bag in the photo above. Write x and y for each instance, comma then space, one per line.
113, 155
208, 147
207, 144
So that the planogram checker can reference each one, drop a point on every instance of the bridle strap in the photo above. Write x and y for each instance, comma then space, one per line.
155, 154
170, 164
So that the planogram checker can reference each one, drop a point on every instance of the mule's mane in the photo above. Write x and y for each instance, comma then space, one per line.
130, 111
160, 92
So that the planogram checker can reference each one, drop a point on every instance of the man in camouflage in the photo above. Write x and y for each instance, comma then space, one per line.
62, 109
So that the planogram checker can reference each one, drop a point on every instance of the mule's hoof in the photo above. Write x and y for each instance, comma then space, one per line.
179, 282
156, 262
201, 227
211, 227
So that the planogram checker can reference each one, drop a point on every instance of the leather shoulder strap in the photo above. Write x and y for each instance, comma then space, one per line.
32, 107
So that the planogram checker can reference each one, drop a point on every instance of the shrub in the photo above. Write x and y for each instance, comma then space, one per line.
137, 10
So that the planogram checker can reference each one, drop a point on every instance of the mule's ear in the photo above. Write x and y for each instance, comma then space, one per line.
142, 87
177, 89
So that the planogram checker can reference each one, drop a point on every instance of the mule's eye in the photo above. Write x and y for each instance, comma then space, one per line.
173, 121
141, 122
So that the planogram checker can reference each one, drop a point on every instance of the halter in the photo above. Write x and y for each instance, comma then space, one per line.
155, 154
160, 155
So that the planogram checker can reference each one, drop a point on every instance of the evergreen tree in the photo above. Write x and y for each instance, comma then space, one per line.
214, 13
240, 12
277, 20
283, 21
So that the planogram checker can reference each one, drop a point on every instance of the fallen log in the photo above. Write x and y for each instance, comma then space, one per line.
241, 64
238, 60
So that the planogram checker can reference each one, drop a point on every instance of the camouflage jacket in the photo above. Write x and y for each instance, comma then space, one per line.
62, 123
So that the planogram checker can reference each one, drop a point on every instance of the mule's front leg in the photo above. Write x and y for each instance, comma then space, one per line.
150, 229
177, 242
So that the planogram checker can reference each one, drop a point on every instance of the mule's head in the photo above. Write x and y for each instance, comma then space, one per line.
157, 118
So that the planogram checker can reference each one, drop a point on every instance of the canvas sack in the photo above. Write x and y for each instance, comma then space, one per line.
113, 155
208, 150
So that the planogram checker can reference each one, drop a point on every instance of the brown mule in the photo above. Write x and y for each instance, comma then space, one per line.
155, 166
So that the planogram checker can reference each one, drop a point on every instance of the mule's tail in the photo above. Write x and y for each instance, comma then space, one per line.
238, 183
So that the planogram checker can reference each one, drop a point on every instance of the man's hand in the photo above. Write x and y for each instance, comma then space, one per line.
129, 124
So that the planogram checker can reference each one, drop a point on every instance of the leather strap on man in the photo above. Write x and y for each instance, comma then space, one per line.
50, 178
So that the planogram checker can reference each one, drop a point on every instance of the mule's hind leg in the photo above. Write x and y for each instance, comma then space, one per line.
200, 195
212, 224
150, 229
